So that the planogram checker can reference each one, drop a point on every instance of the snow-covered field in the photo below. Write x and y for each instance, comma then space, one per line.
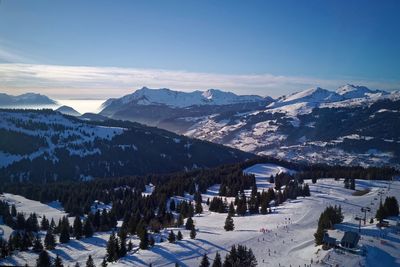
289, 240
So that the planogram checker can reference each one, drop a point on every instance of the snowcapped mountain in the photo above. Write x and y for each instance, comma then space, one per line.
312, 95
164, 96
350, 91
28, 99
315, 125
69, 148
176, 111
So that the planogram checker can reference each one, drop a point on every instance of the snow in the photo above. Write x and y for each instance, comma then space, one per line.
289, 235
263, 172
26, 206
177, 99
83, 134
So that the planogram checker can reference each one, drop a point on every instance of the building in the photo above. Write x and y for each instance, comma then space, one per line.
350, 239
328, 242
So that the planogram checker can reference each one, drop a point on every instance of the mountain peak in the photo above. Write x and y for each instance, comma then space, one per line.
349, 91
178, 99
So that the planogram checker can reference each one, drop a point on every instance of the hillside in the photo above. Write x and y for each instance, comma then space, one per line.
283, 237
46, 145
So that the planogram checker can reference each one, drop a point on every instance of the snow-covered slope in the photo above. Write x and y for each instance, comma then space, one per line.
41, 145
312, 95
313, 125
287, 239
350, 91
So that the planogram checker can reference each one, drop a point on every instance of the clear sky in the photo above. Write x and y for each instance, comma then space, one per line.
109, 48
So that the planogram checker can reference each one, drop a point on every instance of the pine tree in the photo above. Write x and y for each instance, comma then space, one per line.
44, 223
64, 231
89, 262
171, 237
78, 228
189, 223
229, 225
37, 244
43, 259
193, 233
144, 240
122, 248
179, 236
88, 228
49, 240
58, 262
380, 213
112, 248
204, 261
52, 224
319, 235
217, 261
172, 205
391, 206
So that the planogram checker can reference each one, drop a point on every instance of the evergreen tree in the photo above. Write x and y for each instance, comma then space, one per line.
380, 213
172, 205
44, 223
58, 262
43, 259
112, 248
64, 231
391, 206
122, 248
88, 228
217, 261
78, 228
193, 233
49, 240
229, 225
204, 261
37, 244
179, 236
144, 240
240, 257
89, 262
171, 237
189, 223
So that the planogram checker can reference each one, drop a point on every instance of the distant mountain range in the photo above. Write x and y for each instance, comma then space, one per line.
28, 99
314, 125
45, 145
351, 125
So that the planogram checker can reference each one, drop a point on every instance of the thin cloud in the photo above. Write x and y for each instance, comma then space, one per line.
104, 82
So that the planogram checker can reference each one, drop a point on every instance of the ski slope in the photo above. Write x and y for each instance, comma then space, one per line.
288, 239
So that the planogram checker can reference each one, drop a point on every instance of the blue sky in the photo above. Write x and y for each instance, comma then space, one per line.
263, 47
